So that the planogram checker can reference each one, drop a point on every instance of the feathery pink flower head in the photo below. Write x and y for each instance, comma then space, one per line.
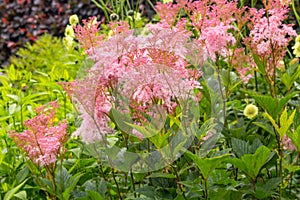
145, 70
269, 36
43, 140
88, 34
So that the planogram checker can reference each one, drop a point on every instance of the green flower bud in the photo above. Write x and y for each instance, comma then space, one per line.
73, 20
69, 31
68, 42
250, 111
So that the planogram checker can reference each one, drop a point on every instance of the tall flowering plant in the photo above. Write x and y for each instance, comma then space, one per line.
137, 83
43, 140
146, 70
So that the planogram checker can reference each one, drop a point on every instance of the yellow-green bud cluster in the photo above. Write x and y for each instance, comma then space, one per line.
296, 47
69, 32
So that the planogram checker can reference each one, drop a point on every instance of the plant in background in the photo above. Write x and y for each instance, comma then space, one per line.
124, 11
29, 82
42, 140
268, 39
296, 47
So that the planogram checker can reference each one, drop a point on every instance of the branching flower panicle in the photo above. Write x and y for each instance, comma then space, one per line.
43, 140
269, 36
145, 70
88, 34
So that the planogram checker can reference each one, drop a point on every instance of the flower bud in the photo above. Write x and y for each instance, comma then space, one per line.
69, 31
73, 20
250, 111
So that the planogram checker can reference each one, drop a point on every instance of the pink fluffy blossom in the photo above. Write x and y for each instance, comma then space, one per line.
216, 40
43, 140
269, 36
243, 64
168, 13
118, 27
88, 34
144, 70
287, 143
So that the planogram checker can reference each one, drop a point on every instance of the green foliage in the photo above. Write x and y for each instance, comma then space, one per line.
48, 55
123, 10
207, 165
13, 192
251, 164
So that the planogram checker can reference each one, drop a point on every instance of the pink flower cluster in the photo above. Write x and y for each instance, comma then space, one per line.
88, 34
220, 22
144, 70
43, 140
269, 36
212, 20
288, 143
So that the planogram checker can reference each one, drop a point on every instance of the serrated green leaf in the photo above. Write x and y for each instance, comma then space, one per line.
270, 118
267, 189
260, 64
266, 126
286, 122
123, 121
21, 195
271, 105
21, 175
71, 185
290, 77
207, 126
10, 194
148, 191
207, 165
251, 164
240, 147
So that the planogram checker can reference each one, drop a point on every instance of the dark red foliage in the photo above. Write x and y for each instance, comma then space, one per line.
24, 20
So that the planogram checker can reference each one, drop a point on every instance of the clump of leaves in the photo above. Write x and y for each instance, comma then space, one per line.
48, 54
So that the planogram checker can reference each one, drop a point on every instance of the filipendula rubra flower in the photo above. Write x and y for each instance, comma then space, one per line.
145, 70
43, 140
269, 36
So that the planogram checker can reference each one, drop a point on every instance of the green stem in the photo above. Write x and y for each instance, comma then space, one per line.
253, 3
205, 189
132, 183
280, 155
65, 104
116, 182
295, 12
255, 78
103, 7
105, 178
178, 180
21, 113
